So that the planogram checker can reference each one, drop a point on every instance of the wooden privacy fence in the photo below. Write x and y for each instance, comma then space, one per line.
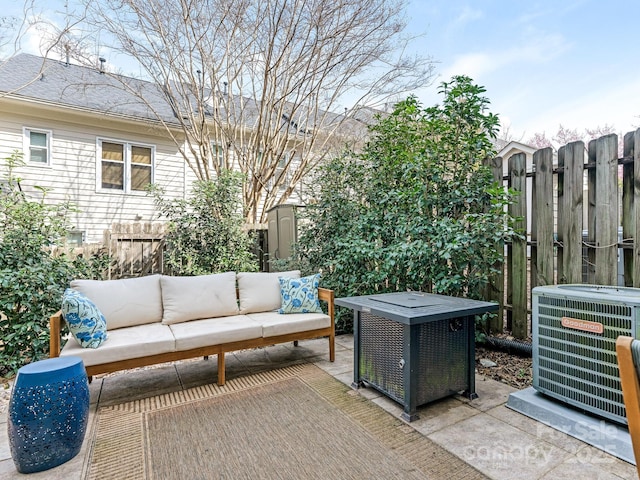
583, 212
136, 249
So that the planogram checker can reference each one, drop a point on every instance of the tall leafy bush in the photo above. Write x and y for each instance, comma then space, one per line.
32, 278
205, 231
416, 209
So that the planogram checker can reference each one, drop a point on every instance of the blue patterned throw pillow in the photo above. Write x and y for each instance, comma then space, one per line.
86, 323
300, 295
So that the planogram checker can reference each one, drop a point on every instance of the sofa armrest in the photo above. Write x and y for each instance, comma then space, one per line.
55, 326
327, 295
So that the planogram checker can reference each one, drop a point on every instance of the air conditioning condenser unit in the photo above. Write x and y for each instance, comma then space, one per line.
574, 329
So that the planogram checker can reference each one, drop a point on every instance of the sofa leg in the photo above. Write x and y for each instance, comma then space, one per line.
295, 343
206, 357
90, 378
332, 348
221, 378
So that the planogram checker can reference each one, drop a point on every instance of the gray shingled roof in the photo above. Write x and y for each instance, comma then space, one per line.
68, 85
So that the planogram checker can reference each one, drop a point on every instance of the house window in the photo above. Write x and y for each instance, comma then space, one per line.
140, 168
75, 238
217, 155
112, 166
125, 167
281, 169
37, 146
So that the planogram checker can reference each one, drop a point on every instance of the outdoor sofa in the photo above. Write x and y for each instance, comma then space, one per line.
162, 318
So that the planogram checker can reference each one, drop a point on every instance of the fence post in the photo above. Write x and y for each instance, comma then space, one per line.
518, 273
495, 287
606, 209
559, 232
542, 268
106, 240
631, 205
572, 212
591, 215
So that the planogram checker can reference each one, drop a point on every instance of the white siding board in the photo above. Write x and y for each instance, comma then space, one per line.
72, 173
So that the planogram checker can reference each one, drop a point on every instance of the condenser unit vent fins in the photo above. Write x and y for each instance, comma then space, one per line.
575, 328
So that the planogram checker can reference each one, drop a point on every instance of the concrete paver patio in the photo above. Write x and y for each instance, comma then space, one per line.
501, 443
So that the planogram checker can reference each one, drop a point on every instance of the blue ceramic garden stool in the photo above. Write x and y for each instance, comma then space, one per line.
48, 413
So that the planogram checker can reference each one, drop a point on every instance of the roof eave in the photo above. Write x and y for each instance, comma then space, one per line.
16, 98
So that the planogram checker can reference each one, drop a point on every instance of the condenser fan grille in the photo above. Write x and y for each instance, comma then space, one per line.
587, 307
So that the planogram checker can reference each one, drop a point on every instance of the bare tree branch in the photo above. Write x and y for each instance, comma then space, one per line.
264, 79
57, 33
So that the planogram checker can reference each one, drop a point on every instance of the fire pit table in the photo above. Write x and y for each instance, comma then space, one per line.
415, 347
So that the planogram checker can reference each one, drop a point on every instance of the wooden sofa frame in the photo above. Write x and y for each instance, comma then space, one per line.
630, 392
56, 322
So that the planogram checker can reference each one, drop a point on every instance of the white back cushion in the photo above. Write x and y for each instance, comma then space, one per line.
202, 296
260, 291
125, 302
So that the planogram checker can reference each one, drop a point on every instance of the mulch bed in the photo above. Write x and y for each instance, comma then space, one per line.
511, 369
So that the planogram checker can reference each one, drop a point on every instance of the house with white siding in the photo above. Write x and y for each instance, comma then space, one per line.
89, 141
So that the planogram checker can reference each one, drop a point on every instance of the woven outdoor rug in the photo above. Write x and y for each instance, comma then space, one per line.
293, 423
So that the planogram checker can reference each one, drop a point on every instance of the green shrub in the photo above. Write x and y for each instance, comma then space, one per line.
32, 279
416, 210
205, 232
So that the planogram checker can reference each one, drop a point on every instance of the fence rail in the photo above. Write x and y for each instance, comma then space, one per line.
583, 212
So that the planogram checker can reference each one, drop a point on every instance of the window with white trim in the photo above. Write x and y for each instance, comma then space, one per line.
217, 155
75, 238
280, 170
123, 166
37, 146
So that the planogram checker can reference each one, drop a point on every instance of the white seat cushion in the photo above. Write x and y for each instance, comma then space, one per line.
125, 302
125, 343
201, 296
274, 323
260, 291
215, 331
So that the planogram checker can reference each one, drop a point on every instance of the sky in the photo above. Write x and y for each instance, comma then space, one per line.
543, 63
